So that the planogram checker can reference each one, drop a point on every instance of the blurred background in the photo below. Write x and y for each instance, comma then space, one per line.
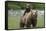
16, 10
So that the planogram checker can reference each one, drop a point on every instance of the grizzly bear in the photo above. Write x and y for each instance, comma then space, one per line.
28, 19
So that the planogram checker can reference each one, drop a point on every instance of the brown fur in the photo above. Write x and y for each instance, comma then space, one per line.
28, 19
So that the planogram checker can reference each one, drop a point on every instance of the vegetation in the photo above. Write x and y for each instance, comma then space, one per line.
22, 5
14, 22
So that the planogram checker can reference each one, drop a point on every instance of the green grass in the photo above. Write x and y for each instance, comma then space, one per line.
40, 21
13, 22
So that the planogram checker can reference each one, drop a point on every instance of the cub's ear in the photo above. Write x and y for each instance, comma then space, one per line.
36, 11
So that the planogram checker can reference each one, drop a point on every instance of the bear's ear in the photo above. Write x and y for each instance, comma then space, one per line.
36, 12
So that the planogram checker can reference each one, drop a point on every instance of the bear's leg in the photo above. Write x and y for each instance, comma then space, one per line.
28, 25
34, 23
21, 25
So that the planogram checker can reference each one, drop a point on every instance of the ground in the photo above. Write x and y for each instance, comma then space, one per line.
14, 22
